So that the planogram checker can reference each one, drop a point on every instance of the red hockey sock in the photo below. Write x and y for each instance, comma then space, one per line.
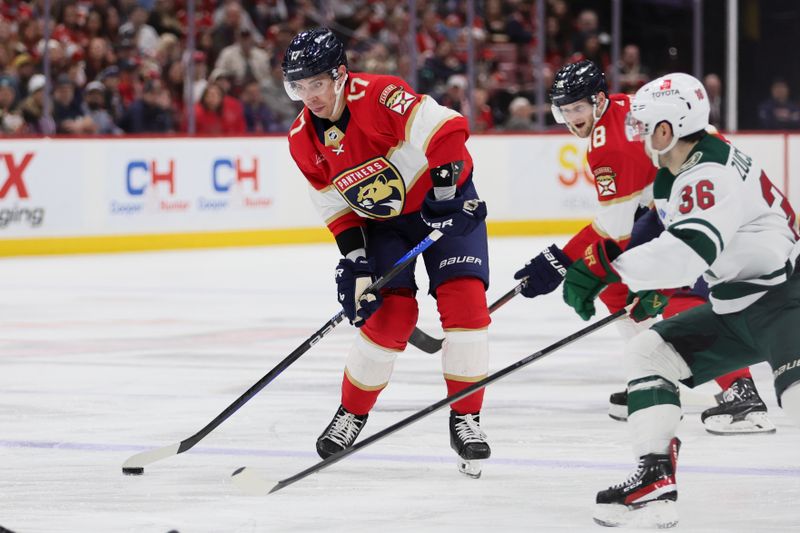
469, 405
356, 400
728, 379
680, 303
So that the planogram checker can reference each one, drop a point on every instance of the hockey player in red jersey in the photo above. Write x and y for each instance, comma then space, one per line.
624, 176
384, 166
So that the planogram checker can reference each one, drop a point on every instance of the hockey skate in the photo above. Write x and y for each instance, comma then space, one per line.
647, 498
340, 433
618, 406
469, 442
740, 411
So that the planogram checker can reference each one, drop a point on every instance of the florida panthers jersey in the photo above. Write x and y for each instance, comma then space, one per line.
623, 177
372, 163
724, 218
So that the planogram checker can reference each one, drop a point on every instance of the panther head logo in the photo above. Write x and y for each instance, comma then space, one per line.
383, 195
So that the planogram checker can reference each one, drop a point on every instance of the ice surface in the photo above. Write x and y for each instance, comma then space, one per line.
103, 356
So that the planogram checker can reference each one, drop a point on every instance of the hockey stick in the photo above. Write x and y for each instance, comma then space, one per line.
136, 463
250, 482
429, 344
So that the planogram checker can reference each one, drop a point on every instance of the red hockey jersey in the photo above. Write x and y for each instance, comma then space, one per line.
623, 175
373, 162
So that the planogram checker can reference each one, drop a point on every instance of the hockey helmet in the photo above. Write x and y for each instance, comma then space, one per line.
678, 98
576, 81
311, 53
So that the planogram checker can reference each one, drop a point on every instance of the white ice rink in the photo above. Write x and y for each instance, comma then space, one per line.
103, 356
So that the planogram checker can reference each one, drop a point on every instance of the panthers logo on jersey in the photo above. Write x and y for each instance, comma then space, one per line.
374, 188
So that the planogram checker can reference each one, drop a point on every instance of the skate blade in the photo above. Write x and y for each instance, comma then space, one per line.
653, 515
470, 468
753, 423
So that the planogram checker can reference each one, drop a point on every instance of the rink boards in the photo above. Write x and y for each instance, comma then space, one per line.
117, 194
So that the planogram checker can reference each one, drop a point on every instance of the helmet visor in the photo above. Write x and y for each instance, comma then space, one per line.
635, 129
308, 88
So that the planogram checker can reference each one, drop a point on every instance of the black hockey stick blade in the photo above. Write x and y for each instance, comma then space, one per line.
254, 481
135, 464
431, 345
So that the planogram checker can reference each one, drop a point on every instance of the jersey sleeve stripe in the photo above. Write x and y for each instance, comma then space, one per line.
699, 224
698, 241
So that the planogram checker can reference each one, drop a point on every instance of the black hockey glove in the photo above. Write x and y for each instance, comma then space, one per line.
454, 217
352, 277
545, 272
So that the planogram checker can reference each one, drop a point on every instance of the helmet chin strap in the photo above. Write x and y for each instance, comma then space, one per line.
338, 89
653, 153
595, 117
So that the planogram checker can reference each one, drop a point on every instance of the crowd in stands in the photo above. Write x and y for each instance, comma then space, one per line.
122, 66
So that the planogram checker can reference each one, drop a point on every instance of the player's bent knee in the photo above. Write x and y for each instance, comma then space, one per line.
392, 324
462, 304
647, 354
790, 401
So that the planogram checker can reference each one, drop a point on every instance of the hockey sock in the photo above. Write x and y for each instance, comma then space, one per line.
465, 360
727, 380
465, 352
654, 369
366, 374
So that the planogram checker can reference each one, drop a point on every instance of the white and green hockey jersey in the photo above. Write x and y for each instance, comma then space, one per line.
724, 219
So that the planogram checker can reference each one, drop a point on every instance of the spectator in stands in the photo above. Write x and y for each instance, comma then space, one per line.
438, 68
24, 68
632, 74
226, 26
211, 117
244, 59
95, 108
714, 90
32, 109
67, 112
778, 112
113, 99
284, 108
163, 18
455, 96
484, 120
142, 34
520, 116
98, 57
152, 113
257, 116
10, 122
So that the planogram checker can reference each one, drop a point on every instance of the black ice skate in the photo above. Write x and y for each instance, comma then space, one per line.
618, 406
740, 411
647, 498
469, 442
340, 433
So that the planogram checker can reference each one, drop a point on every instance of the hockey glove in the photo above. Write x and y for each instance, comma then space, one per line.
454, 217
648, 304
590, 275
545, 272
352, 278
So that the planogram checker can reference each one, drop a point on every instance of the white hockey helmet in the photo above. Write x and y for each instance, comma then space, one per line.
679, 99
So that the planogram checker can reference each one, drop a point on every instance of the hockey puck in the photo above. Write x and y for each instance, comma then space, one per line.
133, 470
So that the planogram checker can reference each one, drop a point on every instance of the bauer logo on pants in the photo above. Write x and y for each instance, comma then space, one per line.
374, 188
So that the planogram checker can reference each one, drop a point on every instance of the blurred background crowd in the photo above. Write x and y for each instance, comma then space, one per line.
133, 66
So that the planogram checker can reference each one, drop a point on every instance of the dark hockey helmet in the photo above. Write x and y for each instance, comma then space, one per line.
576, 81
313, 52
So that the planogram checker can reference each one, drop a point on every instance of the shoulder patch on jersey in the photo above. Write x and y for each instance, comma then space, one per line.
713, 150
400, 101
605, 179
374, 188
692, 161
386, 92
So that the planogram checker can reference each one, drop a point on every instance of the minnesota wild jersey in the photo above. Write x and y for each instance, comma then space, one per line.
724, 218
